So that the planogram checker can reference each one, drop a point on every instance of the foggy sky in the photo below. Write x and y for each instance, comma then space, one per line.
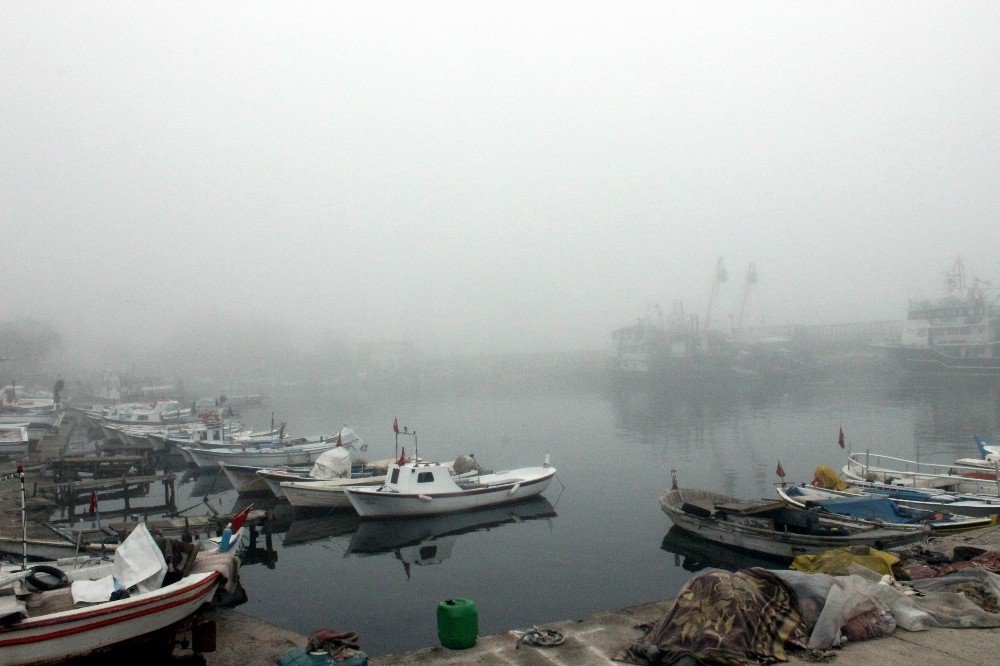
502, 176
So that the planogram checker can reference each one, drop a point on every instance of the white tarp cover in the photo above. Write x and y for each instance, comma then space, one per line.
138, 562
332, 464
836, 599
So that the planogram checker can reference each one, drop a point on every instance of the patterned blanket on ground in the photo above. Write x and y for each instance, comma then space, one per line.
722, 617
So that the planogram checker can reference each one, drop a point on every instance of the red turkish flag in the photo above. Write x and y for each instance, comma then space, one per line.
240, 518
780, 471
395, 425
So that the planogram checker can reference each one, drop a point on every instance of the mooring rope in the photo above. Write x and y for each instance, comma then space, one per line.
541, 638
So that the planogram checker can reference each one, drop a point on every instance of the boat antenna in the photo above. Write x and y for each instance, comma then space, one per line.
406, 431
395, 428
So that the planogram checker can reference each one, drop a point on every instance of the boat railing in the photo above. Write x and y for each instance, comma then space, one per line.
865, 462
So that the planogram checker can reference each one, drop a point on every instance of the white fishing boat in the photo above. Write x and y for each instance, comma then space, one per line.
163, 412
424, 488
51, 626
331, 491
301, 451
13, 438
980, 506
329, 464
965, 479
878, 509
772, 528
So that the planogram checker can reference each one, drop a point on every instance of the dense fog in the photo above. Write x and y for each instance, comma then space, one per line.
269, 184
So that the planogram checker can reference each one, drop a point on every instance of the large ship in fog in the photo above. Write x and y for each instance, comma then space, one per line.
958, 334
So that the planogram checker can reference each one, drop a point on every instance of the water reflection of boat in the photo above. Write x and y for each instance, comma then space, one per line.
699, 553
336, 523
206, 483
429, 539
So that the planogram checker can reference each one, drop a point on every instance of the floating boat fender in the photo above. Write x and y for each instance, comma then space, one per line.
515, 488
426, 498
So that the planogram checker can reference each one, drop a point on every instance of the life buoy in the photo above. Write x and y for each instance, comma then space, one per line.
45, 584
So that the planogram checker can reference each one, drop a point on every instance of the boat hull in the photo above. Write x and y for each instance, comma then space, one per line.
928, 476
927, 361
940, 520
328, 493
62, 636
977, 507
785, 545
244, 478
370, 504
282, 456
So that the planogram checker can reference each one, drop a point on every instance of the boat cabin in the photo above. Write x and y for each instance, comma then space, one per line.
420, 478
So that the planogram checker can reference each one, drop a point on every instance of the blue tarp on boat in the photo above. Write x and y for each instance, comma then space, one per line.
869, 508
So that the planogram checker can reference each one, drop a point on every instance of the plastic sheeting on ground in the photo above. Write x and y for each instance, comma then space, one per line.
746, 617
827, 603
837, 561
753, 616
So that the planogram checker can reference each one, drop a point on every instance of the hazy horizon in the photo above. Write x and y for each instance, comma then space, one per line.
499, 178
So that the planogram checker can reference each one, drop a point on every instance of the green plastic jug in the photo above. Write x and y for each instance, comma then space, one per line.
458, 623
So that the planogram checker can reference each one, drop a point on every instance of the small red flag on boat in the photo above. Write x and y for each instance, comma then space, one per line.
240, 518
395, 424
93, 502
840, 438
340, 442
402, 457
780, 471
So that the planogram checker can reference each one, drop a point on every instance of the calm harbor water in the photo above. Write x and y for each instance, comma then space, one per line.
599, 539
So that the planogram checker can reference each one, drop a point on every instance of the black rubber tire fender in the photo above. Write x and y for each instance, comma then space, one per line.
44, 584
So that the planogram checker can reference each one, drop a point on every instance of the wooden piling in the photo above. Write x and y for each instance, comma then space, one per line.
125, 493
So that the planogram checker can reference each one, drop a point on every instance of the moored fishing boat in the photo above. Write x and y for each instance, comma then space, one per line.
878, 509
13, 438
965, 479
52, 627
774, 529
299, 451
424, 488
327, 488
934, 500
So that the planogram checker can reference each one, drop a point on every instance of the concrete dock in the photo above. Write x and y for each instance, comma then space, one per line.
596, 639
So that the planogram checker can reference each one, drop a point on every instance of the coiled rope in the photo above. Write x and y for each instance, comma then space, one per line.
541, 638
